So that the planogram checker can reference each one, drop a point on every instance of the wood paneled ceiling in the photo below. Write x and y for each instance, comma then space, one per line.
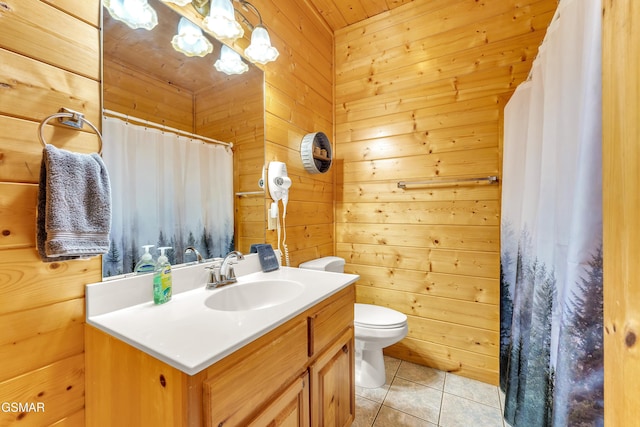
342, 13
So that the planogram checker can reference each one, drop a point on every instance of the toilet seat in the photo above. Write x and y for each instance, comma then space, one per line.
374, 316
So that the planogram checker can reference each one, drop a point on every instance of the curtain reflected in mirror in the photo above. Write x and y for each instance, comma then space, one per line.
181, 196
144, 77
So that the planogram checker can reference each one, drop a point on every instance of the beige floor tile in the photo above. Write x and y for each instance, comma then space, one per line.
414, 399
389, 417
366, 411
461, 412
473, 390
417, 396
421, 375
391, 365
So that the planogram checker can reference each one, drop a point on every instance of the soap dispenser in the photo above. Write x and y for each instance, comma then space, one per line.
146, 263
162, 278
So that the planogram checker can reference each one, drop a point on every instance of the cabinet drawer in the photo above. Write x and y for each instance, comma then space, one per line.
331, 320
239, 385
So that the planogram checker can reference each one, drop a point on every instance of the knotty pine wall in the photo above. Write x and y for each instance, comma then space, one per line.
299, 100
142, 95
49, 56
621, 184
419, 92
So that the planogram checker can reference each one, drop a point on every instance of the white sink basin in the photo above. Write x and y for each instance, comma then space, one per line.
254, 295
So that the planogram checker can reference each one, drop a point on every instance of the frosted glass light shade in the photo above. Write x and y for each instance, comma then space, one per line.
190, 40
230, 62
260, 49
134, 13
178, 2
221, 21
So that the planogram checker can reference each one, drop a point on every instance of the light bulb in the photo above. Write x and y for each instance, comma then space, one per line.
221, 21
260, 49
230, 62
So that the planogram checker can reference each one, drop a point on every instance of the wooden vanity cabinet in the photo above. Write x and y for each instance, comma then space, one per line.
300, 374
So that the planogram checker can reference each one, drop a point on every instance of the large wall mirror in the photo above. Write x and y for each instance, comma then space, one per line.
147, 83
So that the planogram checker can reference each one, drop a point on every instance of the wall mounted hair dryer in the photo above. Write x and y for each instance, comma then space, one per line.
279, 181
279, 184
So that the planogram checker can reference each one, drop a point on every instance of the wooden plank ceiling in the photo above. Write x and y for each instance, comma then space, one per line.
341, 13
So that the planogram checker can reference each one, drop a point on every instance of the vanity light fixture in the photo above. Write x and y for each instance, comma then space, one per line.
230, 62
134, 13
190, 39
221, 21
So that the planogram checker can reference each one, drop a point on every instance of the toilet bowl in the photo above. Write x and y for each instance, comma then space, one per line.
375, 328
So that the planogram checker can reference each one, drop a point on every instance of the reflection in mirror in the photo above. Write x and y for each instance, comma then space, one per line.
146, 82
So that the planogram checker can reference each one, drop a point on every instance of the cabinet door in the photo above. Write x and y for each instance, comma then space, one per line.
290, 409
241, 384
333, 385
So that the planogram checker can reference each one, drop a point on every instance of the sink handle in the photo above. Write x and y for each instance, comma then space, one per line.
215, 278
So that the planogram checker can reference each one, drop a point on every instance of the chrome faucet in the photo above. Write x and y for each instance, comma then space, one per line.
221, 271
191, 249
226, 269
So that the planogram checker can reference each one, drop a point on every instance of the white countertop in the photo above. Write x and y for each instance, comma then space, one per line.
184, 332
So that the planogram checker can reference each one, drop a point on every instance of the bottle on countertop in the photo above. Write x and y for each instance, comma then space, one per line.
162, 278
146, 264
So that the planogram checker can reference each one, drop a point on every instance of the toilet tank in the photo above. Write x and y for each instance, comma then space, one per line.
328, 263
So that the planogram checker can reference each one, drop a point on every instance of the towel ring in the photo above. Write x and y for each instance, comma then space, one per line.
76, 121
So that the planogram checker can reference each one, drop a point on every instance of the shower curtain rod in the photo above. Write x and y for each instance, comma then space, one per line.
147, 123
491, 179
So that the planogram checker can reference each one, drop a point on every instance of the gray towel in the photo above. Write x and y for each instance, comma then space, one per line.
74, 205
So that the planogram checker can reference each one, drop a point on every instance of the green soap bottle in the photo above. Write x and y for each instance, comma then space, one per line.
162, 278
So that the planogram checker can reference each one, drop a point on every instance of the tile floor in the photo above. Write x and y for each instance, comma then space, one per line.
417, 396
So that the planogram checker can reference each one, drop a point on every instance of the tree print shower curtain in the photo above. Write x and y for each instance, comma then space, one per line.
167, 190
551, 349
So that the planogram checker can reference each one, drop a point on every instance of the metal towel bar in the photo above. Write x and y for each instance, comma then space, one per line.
490, 179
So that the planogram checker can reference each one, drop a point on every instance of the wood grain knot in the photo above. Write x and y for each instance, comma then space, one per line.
6, 233
163, 381
630, 339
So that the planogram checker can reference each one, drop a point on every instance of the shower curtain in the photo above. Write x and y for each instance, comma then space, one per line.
551, 349
167, 190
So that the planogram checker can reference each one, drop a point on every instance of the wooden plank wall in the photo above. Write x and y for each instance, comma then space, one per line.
42, 68
299, 100
144, 96
621, 181
419, 91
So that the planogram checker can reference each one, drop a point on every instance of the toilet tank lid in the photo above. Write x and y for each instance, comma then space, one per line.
322, 263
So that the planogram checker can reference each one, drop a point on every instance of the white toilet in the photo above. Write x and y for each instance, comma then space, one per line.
375, 328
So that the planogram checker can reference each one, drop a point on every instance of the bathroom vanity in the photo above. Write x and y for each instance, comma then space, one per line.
287, 360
